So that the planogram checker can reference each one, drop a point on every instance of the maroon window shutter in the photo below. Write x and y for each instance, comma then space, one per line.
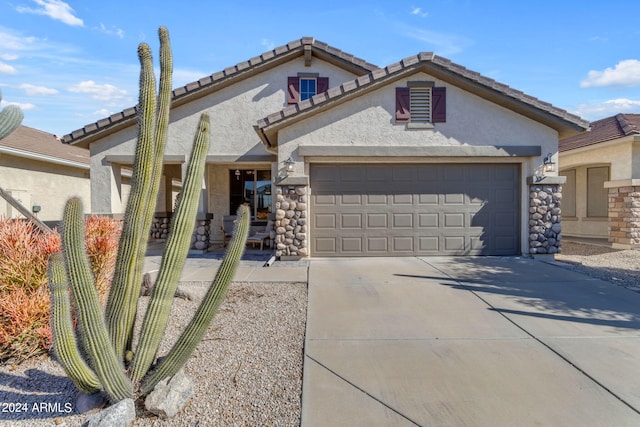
403, 104
439, 104
323, 84
293, 90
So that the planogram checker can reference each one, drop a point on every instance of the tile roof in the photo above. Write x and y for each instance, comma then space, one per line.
305, 45
563, 121
606, 129
33, 143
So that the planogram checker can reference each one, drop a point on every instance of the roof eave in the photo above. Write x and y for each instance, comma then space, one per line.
216, 81
564, 123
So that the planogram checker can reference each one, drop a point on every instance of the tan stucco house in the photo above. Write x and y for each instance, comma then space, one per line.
422, 157
602, 191
41, 172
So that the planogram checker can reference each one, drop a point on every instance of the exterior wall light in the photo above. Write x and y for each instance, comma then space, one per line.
289, 163
549, 165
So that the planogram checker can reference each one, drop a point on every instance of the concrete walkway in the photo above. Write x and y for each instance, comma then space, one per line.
468, 342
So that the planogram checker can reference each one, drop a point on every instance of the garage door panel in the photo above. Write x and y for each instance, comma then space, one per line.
428, 220
377, 244
351, 220
450, 209
402, 220
377, 220
351, 244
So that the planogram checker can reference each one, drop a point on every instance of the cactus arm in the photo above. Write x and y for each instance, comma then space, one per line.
64, 339
125, 288
10, 119
198, 325
95, 338
177, 248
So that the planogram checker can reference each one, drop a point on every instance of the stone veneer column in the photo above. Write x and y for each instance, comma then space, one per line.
160, 226
624, 217
200, 239
290, 227
545, 230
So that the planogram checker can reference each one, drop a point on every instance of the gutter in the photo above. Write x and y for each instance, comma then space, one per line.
44, 158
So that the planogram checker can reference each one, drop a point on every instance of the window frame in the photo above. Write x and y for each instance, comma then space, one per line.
569, 205
601, 193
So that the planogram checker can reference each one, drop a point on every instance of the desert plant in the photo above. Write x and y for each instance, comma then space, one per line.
107, 339
24, 251
10, 118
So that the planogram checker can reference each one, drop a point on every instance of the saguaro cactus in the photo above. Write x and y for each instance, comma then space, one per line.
10, 118
107, 339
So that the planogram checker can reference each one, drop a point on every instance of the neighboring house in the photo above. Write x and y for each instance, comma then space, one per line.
41, 172
601, 198
422, 157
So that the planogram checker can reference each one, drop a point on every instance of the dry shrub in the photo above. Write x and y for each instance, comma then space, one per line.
24, 294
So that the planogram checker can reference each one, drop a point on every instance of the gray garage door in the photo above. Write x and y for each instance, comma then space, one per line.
411, 209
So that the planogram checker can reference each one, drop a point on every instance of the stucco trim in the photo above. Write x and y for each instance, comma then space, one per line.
248, 158
293, 180
432, 151
126, 159
546, 180
622, 183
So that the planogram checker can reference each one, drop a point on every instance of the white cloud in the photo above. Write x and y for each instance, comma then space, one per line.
7, 69
268, 44
10, 41
596, 111
625, 73
440, 43
55, 9
419, 12
100, 92
102, 113
33, 90
113, 31
8, 57
23, 106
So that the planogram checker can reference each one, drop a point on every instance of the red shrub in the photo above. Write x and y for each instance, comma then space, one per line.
24, 294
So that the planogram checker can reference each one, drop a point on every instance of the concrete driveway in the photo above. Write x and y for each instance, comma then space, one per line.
468, 342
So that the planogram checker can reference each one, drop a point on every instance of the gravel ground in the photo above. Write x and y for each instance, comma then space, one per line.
616, 266
247, 371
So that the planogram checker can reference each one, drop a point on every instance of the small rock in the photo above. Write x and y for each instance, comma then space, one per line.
169, 396
122, 414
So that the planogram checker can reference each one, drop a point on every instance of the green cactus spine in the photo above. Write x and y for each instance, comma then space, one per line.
173, 260
153, 121
95, 339
10, 119
64, 339
198, 325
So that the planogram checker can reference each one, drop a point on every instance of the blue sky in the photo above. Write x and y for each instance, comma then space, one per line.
70, 63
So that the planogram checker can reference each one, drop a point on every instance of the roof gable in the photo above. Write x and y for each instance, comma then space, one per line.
560, 120
607, 129
307, 47
36, 144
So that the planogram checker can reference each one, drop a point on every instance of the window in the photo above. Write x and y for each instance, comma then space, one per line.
421, 103
597, 194
307, 88
304, 86
250, 186
569, 193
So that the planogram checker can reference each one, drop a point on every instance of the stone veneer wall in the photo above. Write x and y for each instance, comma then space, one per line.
201, 233
160, 226
624, 216
290, 227
544, 219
